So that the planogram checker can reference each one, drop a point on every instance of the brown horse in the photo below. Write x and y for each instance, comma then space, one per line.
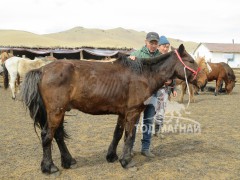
192, 88
4, 56
219, 72
119, 87
231, 78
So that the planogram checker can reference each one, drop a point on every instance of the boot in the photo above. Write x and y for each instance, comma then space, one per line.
147, 153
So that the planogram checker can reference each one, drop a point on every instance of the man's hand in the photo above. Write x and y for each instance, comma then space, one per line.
168, 82
174, 93
132, 57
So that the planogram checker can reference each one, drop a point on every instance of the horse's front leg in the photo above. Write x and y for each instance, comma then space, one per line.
131, 119
118, 132
183, 91
218, 83
192, 98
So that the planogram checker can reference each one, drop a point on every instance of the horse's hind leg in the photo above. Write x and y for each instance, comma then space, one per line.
54, 120
13, 87
47, 165
118, 132
131, 119
66, 158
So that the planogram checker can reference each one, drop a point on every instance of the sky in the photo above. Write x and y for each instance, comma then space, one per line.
212, 21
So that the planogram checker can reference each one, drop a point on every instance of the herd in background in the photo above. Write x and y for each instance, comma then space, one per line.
220, 72
17, 67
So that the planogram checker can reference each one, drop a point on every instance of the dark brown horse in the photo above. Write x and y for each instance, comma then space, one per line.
192, 88
118, 87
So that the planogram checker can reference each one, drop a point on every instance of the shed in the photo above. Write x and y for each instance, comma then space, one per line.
67, 53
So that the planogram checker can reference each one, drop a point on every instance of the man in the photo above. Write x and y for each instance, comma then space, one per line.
164, 92
149, 50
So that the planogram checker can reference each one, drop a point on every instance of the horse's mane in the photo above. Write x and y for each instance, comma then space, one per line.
200, 60
137, 65
155, 60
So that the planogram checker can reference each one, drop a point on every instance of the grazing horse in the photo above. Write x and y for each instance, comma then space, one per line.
231, 78
219, 72
120, 87
17, 68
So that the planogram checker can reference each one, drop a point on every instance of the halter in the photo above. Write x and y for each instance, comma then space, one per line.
185, 66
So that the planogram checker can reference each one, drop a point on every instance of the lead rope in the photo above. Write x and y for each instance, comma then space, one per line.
187, 86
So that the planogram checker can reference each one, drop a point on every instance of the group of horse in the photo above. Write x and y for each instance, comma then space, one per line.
220, 72
15, 68
118, 87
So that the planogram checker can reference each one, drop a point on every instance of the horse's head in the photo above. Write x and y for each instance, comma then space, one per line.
4, 56
230, 84
186, 67
202, 63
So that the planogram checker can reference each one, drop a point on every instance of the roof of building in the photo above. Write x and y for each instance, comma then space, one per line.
221, 47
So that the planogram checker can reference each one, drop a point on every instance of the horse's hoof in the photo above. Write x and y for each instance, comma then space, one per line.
112, 158
73, 164
126, 164
131, 165
55, 174
69, 164
51, 170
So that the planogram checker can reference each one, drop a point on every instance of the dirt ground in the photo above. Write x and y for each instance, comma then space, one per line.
210, 150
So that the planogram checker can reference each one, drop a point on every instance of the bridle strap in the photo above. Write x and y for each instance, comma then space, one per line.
190, 69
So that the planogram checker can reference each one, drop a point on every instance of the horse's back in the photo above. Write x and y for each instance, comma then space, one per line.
218, 72
25, 65
104, 83
12, 63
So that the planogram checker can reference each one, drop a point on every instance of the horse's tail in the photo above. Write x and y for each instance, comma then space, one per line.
5, 77
32, 98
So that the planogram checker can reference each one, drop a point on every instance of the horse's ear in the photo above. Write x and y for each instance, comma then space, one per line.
173, 48
181, 49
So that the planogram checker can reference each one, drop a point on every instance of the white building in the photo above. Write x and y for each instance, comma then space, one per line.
217, 52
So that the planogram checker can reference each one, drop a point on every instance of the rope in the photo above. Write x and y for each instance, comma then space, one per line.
187, 86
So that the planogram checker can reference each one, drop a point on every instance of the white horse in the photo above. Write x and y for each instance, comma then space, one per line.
17, 68
1, 69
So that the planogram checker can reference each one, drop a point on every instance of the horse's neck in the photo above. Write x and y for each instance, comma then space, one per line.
159, 73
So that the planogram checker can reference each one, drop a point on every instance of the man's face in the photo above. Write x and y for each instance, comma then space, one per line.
164, 48
151, 45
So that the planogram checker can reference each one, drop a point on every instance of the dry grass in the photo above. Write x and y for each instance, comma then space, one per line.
212, 154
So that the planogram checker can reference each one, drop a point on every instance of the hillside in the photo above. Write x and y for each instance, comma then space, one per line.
79, 37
